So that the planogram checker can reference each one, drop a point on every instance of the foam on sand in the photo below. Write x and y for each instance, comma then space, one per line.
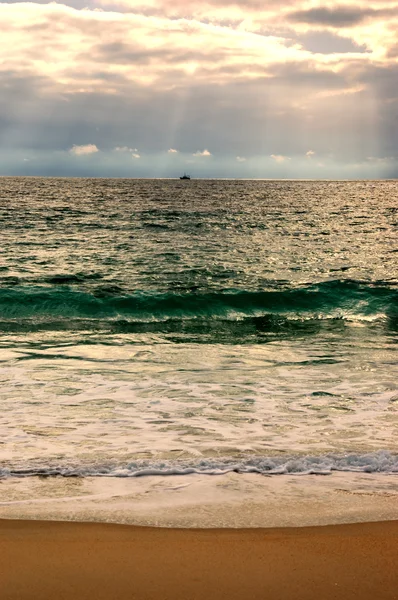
197, 500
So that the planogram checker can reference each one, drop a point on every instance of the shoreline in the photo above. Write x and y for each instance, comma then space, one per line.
199, 501
42, 560
192, 537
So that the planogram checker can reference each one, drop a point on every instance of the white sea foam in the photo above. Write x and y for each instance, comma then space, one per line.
109, 404
375, 462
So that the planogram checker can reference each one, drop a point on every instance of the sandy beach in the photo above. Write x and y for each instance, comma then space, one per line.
44, 560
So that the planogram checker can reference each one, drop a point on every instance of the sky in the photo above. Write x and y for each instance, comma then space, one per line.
216, 88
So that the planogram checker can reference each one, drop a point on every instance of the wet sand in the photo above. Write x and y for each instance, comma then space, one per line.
68, 560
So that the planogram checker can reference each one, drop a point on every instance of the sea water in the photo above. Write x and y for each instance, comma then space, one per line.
162, 327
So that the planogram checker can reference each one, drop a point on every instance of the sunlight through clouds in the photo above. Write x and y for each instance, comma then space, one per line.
244, 78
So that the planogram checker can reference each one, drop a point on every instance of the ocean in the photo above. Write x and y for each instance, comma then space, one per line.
164, 327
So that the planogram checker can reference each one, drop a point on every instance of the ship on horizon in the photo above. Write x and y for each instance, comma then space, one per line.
185, 176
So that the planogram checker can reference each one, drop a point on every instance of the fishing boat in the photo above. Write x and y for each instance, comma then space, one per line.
185, 176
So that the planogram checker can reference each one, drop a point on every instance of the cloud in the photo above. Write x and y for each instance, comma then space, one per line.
245, 78
124, 149
155, 50
135, 155
328, 42
382, 159
240, 159
83, 150
225, 12
340, 16
279, 158
310, 154
333, 17
172, 151
203, 153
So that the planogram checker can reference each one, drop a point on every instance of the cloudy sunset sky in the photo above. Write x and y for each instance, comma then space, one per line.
217, 88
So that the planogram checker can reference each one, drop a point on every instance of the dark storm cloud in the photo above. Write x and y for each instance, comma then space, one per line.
324, 42
265, 121
123, 53
136, 116
339, 16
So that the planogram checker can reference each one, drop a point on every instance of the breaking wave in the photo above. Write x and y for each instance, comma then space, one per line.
375, 462
228, 313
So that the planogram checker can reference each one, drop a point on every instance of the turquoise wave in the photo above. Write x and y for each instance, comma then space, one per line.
268, 310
